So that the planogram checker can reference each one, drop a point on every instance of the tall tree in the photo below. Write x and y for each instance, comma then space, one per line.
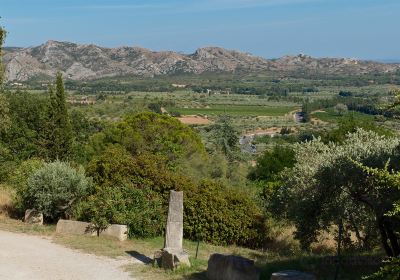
2, 37
4, 107
60, 129
326, 187
225, 137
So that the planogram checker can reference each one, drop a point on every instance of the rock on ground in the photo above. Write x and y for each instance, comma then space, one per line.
35, 258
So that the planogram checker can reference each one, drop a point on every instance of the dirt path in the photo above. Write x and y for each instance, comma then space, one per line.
31, 257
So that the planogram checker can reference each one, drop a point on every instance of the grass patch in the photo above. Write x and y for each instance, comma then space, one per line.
331, 116
18, 226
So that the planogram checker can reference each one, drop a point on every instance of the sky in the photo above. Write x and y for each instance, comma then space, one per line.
367, 29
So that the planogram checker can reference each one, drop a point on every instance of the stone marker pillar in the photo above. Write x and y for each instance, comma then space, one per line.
174, 230
173, 254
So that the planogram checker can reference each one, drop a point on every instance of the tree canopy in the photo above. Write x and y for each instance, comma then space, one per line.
325, 187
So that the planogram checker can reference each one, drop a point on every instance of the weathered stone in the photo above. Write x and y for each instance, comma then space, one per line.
174, 231
157, 258
292, 275
172, 258
173, 254
82, 228
118, 231
228, 267
33, 216
75, 227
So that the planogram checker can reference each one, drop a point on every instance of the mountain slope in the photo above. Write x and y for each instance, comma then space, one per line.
80, 62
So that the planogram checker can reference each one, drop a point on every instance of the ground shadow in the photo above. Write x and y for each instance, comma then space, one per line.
140, 257
196, 276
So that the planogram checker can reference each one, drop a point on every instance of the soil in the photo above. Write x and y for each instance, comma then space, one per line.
194, 120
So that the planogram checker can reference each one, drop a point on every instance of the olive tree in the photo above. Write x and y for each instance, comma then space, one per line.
327, 186
56, 188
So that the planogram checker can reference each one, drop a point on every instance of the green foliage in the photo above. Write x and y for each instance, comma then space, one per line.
146, 171
225, 137
306, 112
55, 189
340, 109
19, 181
155, 107
140, 209
5, 122
350, 124
153, 133
389, 271
82, 129
325, 186
131, 190
272, 162
2, 38
220, 215
59, 126
134, 190
26, 137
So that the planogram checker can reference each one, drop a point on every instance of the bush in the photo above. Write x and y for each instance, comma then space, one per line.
19, 182
141, 210
116, 167
135, 191
131, 190
152, 133
55, 189
389, 271
222, 216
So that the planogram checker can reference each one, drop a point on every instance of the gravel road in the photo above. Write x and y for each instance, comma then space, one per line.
30, 257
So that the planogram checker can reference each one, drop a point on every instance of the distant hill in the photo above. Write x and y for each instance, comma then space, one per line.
86, 62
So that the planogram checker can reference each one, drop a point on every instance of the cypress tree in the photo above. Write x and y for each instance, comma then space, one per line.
5, 121
2, 37
59, 127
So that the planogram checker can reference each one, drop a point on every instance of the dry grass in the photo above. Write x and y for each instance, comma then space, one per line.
194, 120
5, 200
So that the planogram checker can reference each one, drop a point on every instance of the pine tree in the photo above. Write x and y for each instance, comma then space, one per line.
59, 127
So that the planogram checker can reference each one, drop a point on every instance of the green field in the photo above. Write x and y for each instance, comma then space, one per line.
234, 110
331, 116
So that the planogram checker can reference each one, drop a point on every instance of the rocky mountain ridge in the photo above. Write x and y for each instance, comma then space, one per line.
87, 62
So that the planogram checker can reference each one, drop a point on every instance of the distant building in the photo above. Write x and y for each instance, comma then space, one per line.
179, 86
82, 101
17, 84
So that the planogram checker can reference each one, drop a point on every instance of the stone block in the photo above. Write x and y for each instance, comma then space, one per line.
75, 227
33, 216
157, 258
118, 231
172, 258
292, 275
81, 228
229, 267
174, 229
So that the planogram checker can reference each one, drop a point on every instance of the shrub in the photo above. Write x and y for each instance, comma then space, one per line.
131, 190
222, 216
152, 133
141, 210
115, 166
19, 182
135, 191
55, 189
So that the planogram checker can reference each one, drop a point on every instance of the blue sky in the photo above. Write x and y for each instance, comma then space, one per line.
269, 28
